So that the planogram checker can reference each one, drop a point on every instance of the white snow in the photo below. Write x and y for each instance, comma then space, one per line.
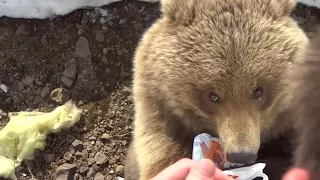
41, 9
315, 3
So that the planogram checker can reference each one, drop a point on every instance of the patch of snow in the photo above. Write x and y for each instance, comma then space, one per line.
314, 3
41, 9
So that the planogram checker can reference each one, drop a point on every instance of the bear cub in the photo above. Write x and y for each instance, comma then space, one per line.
219, 67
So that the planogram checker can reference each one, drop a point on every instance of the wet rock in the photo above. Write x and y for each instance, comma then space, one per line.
100, 158
82, 48
99, 176
65, 171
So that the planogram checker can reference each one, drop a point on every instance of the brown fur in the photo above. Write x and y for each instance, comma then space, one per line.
227, 47
306, 101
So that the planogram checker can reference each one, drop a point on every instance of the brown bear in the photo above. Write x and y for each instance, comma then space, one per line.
219, 67
306, 103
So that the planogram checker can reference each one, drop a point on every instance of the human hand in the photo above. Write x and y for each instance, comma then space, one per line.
187, 169
297, 174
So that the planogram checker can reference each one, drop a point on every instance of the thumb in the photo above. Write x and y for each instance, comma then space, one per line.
202, 170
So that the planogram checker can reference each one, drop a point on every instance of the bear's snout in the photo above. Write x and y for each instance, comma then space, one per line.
242, 157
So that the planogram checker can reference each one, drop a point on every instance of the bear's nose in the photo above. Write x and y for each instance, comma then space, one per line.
242, 157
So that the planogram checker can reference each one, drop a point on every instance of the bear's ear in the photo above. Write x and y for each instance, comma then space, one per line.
179, 11
288, 6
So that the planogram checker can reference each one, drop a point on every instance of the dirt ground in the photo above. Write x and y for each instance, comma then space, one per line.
85, 56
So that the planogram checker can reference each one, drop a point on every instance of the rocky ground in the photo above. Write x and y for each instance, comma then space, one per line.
85, 56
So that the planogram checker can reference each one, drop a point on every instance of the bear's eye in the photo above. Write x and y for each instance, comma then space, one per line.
213, 97
258, 93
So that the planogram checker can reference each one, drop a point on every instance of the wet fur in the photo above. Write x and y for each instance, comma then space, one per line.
229, 47
306, 102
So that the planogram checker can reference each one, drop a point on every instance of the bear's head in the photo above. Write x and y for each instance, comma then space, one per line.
226, 62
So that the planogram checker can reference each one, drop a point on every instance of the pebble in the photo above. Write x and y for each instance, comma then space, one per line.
82, 48
105, 136
99, 36
71, 69
84, 20
119, 170
67, 156
65, 171
100, 158
27, 80
85, 154
76, 143
99, 176
21, 30
105, 50
83, 169
66, 81
45, 91
90, 172
122, 21
78, 154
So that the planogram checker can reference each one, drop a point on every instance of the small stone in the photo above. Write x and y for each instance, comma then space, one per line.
84, 20
66, 81
100, 158
83, 169
45, 91
119, 170
105, 50
102, 21
99, 36
105, 136
109, 177
78, 154
82, 48
91, 138
122, 21
85, 154
103, 12
21, 30
90, 161
71, 69
9, 100
76, 143
27, 80
67, 156
99, 176
90, 172
65, 171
